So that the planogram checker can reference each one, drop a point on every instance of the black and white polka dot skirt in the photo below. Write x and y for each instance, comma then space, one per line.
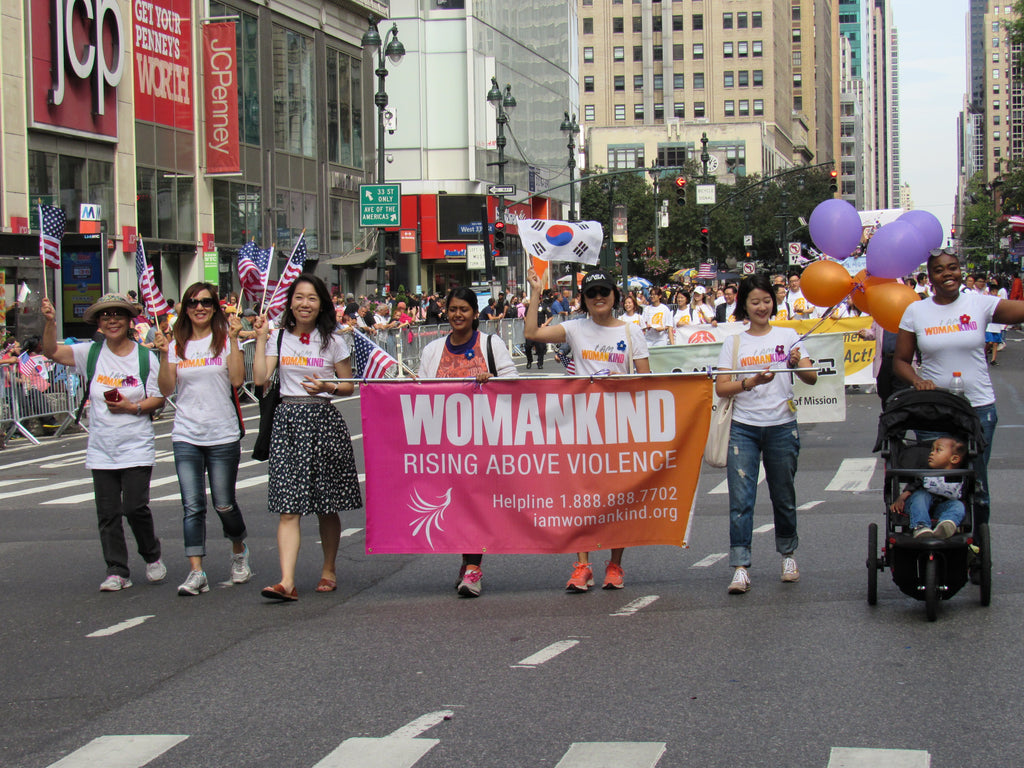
312, 467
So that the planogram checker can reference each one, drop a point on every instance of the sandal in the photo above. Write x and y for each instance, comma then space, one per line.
278, 592
326, 585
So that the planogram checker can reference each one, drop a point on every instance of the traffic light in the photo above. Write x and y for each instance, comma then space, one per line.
680, 190
704, 233
833, 185
499, 237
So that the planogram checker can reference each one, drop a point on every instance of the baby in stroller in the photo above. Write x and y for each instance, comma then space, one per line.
926, 495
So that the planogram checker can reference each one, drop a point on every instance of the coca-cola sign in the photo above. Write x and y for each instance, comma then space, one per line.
78, 58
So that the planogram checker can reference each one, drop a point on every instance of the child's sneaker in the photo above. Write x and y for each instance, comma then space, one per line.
740, 582
923, 532
945, 529
469, 585
582, 578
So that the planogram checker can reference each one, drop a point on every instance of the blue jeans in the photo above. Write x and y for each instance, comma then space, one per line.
982, 500
921, 504
778, 447
220, 462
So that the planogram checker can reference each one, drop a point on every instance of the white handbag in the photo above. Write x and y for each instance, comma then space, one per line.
716, 451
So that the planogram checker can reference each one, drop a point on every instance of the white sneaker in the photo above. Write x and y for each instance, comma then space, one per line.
156, 571
240, 570
115, 584
195, 584
470, 585
789, 570
945, 529
740, 581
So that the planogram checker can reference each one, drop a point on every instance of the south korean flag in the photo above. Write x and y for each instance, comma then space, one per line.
577, 241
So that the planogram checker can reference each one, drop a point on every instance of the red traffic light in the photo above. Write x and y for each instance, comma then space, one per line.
703, 230
680, 182
499, 225
833, 173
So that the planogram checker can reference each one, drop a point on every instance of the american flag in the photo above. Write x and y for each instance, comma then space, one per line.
152, 299
706, 271
34, 370
372, 362
566, 359
291, 271
51, 226
253, 270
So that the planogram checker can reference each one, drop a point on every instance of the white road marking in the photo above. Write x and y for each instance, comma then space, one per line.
52, 487
709, 560
853, 475
350, 532
547, 654
808, 505
120, 627
723, 487
27, 462
765, 528
632, 607
119, 751
853, 757
22, 480
365, 752
613, 754
421, 724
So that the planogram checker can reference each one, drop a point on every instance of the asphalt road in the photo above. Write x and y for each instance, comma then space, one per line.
394, 670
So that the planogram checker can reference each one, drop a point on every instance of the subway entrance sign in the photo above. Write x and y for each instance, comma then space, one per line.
380, 205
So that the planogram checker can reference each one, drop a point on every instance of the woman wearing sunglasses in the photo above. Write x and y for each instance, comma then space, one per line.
204, 362
590, 338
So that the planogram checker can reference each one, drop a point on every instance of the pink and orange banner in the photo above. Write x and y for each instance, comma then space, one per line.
532, 466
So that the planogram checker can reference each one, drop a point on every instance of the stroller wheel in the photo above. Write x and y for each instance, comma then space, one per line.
985, 555
872, 563
931, 588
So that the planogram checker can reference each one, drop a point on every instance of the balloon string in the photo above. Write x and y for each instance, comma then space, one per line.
826, 316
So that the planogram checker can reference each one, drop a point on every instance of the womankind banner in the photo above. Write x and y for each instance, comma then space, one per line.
532, 466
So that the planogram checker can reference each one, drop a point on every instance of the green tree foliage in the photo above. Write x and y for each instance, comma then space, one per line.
1014, 25
982, 225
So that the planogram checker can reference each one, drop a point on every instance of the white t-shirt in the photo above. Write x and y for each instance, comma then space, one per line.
636, 319
300, 360
204, 408
951, 337
597, 348
798, 305
703, 313
768, 404
655, 318
681, 317
118, 440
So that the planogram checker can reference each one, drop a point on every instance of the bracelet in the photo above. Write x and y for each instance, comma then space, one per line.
743, 385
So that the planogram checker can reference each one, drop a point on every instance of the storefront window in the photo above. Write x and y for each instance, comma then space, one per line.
236, 212
69, 181
341, 146
293, 92
145, 201
247, 43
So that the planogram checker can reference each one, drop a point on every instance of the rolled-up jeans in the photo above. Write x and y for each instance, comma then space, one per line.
220, 462
778, 446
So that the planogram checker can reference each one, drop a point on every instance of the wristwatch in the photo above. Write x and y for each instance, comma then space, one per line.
138, 409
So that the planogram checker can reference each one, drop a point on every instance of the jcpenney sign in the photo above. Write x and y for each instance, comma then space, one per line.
78, 56
220, 84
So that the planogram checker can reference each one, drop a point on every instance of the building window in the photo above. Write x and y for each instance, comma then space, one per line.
294, 93
743, 78
588, 25
678, 81
620, 82
588, 83
995, 74
698, 21
698, 80
846, 148
798, 58
995, 58
588, 112
638, 111
798, 80
744, 107
726, 21
798, 103
620, 111
755, 19
995, 104
849, 168
638, 23
344, 123
698, 50
756, 49
638, 82
995, 24
727, 49
698, 109
622, 157
758, 106
659, 82
728, 79
796, 34
677, 23
758, 78
730, 108
618, 53
995, 42
659, 113
741, 20
995, 135
679, 110
678, 51
995, 89
638, 53
236, 208
849, 187
656, 23
846, 129
618, 25
673, 155
657, 53
588, 55
995, 119
741, 49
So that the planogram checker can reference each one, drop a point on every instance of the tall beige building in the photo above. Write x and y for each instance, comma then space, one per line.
687, 63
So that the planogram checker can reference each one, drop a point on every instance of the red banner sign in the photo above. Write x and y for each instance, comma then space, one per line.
163, 62
220, 65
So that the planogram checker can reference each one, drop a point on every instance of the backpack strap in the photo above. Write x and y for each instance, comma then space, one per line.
490, 356
90, 371
143, 365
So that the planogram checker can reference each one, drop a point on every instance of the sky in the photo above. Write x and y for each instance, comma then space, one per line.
933, 80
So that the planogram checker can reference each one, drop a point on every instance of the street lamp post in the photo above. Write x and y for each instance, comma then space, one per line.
572, 128
503, 105
393, 49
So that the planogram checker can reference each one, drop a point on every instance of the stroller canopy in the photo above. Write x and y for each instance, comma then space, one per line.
932, 410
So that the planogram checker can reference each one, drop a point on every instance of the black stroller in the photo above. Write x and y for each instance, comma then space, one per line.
927, 569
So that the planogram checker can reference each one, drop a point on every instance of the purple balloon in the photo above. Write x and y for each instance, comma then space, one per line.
895, 250
929, 227
835, 228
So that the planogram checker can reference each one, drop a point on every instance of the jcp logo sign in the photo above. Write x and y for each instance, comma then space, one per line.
87, 39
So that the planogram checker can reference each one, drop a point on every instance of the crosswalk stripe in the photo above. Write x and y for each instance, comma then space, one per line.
808, 505
764, 528
363, 752
51, 487
723, 487
547, 654
709, 560
119, 751
18, 481
853, 475
120, 627
854, 757
350, 532
613, 754
632, 607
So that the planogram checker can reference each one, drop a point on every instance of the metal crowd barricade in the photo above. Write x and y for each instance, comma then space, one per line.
248, 347
22, 402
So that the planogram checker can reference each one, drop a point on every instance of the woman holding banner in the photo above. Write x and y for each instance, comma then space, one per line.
312, 467
763, 426
589, 339
467, 353
702, 311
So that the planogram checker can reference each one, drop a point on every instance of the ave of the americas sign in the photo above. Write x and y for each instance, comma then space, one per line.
380, 205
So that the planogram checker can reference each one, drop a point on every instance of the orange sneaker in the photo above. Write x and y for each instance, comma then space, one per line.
612, 576
582, 578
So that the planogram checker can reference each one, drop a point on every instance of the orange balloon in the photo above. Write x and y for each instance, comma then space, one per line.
825, 283
888, 301
862, 281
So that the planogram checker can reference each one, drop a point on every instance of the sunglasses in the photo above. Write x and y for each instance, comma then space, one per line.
601, 290
940, 251
111, 314
206, 302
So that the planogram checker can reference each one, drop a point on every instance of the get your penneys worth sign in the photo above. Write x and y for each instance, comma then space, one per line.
380, 205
